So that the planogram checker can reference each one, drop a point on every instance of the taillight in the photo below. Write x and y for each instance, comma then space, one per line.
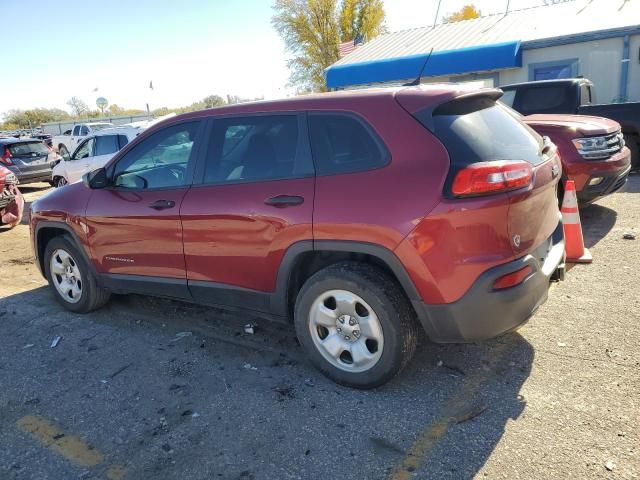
512, 279
6, 157
492, 177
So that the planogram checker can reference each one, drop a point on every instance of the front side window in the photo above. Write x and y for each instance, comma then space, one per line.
84, 150
343, 144
160, 161
254, 148
107, 144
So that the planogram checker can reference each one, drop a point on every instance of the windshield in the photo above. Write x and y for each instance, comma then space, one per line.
28, 149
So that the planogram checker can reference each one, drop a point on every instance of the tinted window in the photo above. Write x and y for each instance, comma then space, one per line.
159, 161
478, 130
550, 99
107, 144
253, 148
76, 130
342, 144
122, 140
84, 150
28, 149
84, 131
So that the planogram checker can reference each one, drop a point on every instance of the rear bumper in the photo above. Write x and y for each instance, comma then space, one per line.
43, 175
483, 312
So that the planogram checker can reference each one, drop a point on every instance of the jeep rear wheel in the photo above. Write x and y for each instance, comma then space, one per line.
356, 325
72, 281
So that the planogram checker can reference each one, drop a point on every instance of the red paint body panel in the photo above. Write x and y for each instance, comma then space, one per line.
562, 129
232, 237
129, 237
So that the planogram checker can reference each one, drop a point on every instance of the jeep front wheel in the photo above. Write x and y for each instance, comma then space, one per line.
356, 325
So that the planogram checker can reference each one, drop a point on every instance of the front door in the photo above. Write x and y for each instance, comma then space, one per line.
134, 225
255, 199
78, 164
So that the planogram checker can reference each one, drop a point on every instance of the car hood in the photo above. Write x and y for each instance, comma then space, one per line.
584, 124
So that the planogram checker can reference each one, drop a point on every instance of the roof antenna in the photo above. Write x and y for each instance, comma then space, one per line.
416, 82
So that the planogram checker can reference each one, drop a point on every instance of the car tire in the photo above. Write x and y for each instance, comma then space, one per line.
356, 324
59, 182
633, 142
70, 277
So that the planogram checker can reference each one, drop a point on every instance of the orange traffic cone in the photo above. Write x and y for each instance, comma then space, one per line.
573, 241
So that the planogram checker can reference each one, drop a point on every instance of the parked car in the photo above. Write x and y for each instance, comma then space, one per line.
29, 159
46, 138
354, 217
592, 150
94, 152
575, 96
11, 201
69, 140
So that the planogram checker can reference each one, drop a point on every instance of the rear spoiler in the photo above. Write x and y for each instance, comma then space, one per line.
457, 104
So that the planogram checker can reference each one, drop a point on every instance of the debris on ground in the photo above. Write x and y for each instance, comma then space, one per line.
119, 371
384, 444
470, 414
55, 341
609, 465
28, 345
284, 391
309, 383
181, 335
562, 344
440, 363
249, 328
248, 366
629, 236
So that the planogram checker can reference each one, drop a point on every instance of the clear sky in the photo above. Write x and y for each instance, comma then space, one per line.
189, 48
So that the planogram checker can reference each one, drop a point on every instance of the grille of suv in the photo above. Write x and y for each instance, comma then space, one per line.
614, 142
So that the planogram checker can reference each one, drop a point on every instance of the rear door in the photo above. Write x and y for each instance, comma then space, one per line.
254, 199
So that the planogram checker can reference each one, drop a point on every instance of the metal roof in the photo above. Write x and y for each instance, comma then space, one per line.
529, 26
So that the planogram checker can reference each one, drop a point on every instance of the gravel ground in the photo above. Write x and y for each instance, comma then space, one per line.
149, 388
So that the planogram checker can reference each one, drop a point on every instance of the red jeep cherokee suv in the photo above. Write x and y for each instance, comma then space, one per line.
358, 216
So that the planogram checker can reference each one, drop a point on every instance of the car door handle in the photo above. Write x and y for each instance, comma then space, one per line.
162, 204
282, 201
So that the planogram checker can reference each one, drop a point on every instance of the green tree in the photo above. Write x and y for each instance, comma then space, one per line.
468, 12
313, 29
213, 101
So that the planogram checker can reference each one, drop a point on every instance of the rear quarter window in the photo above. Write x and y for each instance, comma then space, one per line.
343, 143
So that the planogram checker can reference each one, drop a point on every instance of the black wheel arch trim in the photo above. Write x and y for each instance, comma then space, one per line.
280, 301
59, 226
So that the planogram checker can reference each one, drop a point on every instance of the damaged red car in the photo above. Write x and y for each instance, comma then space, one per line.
11, 200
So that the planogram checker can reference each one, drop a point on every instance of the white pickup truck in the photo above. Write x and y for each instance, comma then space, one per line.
69, 140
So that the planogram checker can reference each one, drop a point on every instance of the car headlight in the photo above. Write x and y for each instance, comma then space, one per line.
590, 144
11, 179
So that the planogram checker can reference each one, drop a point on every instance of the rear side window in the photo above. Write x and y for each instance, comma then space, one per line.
256, 148
551, 99
84, 131
76, 130
122, 140
478, 129
344, 144
107, 144
27, 149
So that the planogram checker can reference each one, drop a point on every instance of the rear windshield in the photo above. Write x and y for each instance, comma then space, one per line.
28, 148
478, 129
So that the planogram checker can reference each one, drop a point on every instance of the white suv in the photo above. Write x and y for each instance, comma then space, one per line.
92, 153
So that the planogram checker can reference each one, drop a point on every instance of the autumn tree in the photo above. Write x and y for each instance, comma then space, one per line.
362, 19
313, 29
468, 12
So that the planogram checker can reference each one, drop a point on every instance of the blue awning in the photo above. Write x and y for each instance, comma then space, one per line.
447, 62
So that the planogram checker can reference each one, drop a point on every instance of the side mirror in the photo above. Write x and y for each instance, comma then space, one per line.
95, 179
